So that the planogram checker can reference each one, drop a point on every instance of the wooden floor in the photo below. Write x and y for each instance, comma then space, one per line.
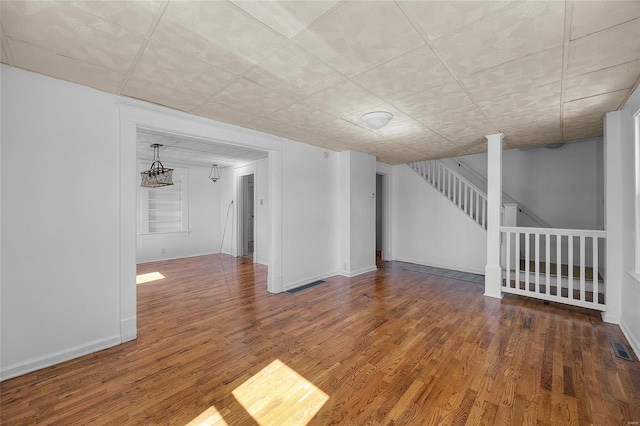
388, 347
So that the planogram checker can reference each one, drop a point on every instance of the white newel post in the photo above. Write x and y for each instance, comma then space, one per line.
493, 270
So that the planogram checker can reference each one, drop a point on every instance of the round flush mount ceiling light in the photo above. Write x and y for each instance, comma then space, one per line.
377, 119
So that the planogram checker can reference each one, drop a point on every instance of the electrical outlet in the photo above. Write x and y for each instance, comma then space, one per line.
163, 250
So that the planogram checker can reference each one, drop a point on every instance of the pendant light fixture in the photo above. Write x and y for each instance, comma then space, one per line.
215, 173
157, 175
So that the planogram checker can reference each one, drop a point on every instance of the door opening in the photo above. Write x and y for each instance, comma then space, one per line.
246, 232
380, 220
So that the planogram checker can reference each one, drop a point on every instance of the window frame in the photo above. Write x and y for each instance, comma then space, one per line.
179, 174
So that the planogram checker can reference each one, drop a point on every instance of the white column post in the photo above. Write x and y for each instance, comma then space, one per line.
613, 216
493, 270
510, 215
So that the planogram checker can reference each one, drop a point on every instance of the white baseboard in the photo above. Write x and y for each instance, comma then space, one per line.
611, 319
34, 364
305, 281
634, 341
177, 257
128, 329
435, 265
350, 274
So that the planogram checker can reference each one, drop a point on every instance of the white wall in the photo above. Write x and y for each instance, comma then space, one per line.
623, 274
66, 280
204, 222
60, 221
262, 212
428, 229
356, 213
562, 186
308, 213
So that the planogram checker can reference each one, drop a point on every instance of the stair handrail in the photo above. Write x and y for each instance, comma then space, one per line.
466, 181
506, 197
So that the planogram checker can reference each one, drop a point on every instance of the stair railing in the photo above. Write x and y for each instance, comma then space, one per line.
530, 256
466, 196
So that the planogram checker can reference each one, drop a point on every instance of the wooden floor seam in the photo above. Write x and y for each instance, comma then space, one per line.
389, 347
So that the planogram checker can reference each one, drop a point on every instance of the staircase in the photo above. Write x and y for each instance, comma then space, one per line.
530, 255
462, 193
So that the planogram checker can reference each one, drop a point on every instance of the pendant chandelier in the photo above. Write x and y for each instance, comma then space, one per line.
215, 173
157, 175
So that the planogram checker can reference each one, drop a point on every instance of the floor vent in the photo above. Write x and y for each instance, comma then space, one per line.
621, 351
527, 323
304, 287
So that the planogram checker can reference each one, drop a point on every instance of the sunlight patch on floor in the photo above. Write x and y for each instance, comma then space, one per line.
209, 417
147, 278
279, 396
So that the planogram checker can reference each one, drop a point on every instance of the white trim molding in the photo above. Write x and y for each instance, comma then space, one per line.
58, 357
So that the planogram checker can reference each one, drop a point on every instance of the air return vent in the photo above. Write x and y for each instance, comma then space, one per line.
622, 351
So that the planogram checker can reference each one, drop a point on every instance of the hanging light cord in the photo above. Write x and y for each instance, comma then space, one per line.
226, 221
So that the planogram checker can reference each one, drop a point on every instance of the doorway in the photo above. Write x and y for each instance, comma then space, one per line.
380, 219
246, 231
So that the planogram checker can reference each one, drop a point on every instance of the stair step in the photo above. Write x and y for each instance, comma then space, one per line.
564, 270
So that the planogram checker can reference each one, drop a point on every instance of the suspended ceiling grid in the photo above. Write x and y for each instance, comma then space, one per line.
450, 71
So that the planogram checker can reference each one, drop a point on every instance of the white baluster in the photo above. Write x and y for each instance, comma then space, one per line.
596, 273
537, 255
517, 259
582, 269
547, 269
570, 264
527, 265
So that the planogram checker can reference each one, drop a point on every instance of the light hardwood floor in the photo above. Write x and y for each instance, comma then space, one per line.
389, 347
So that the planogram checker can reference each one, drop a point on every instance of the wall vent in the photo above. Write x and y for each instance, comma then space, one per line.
622, 351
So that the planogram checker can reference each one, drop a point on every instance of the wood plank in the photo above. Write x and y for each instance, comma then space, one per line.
387, 347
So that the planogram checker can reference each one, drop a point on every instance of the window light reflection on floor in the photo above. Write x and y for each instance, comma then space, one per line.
277, 395
209, 417
146, 278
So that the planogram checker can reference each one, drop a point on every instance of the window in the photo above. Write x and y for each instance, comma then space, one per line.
166, 209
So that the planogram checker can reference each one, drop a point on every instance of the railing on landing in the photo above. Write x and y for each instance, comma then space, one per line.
466, 196
559, 265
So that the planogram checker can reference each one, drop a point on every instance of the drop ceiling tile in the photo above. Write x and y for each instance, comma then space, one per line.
534, 70
218, 33
528, 99
528, 139
427, 144
410, 73
134, 15
223, 113
602, 81
599, 104
513, 32
294, 73
272, 127
592, 16
247, 96
462, 123
4, 56
436, 18
286, 17
583, 126
44, 61
358, 35
343, 99
530, 121
605, 49
421, 105
71, 32
301, 115
170, 77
